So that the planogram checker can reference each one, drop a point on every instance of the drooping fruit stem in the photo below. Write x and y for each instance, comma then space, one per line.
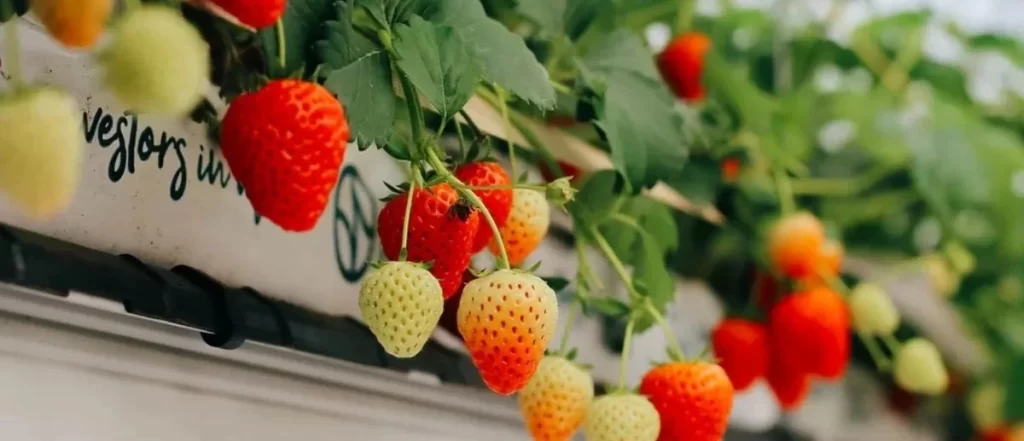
12, 48
281, 47
685, 14
563, 346
785, 191
881, 361
669, 334
403, 255
620, 269
626, 342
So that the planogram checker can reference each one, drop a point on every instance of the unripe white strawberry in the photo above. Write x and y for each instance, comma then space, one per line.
872, 310
985, 405
622, 417
41, 148
555, 400
918, 368
401, 302
156, 62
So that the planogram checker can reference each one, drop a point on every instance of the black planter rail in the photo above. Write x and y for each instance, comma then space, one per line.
225, 316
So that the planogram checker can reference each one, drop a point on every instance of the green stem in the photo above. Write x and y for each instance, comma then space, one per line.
465, 192
561, 88
891, 344
585, 268
416, 115
669, 334
563, 347
12, 47
780, 50
281, 48
533, 187
503, 106
609, 253
685, 14
876, 352
538, 147
402, 255
844, 186
462, 141
786, 199
627, 340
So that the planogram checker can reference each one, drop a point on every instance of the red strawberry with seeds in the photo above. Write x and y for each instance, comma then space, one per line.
694, 400
741, 347
682, 65
791, 386
441, 230
497, 201
810, 331
285, 144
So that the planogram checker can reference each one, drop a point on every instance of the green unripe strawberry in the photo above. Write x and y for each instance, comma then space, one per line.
985, 405
401, 302
622, 417
873, 311
41, 148
918, 368
156, 62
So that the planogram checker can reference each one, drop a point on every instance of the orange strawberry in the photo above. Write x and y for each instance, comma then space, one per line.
790, 386
75, 24
497, 201
693, 399
526, 227
810, 332
795, 243
285, 144
682, 65
507, 318
741, 347
555, 401
829, 265
256, 14
441, 231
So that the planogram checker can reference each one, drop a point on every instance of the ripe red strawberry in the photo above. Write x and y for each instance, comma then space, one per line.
767, 290
285, 144
694, 400
795, 243
791, 386
741, 347
507, 319
731, 168
810, 332
498, 201
526, 227
441, 230
554, 402
256, 14
682, 65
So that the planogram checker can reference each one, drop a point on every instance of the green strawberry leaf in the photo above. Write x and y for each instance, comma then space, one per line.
358, 70
580, 14
303, 23
390, 12
569, 17
437, 61
502, 55
547, 14
644, 131
622, 51
601, 196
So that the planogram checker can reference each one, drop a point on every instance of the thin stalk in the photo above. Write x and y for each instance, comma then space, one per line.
685, 14
561, 88
625, 352
462, 140
534, 187
563, 347
402, 255
503, 106
281, 48
538, 147
891, 344
586, 269
609, 253
785, 190
669, 334
881, 361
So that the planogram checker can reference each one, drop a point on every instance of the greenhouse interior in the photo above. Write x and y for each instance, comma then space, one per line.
512, 220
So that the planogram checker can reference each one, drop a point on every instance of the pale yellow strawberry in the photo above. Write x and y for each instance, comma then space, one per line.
918, 368
873, 311
985, 405
157, 62
622, 417
401, 302
41, 147
555, 400
526, 226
